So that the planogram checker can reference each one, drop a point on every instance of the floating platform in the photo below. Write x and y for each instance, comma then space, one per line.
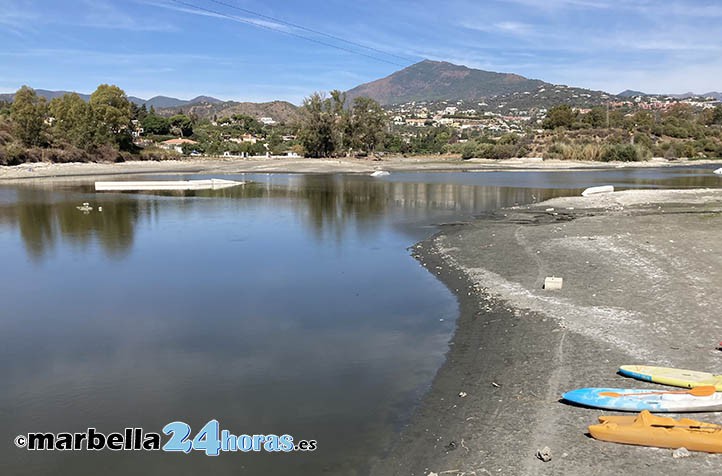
149, 185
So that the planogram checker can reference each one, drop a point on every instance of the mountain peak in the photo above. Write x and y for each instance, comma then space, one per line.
430, 80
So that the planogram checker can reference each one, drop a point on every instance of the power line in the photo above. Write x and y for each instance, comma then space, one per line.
310, 30
258, 25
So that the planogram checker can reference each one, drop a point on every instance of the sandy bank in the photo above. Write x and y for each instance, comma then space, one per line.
301, 165
642, 284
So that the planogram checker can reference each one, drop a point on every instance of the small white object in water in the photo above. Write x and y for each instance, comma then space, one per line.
595, 190
380, 173
718, 171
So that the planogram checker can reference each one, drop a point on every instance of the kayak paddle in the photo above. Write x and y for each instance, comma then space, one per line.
703, 391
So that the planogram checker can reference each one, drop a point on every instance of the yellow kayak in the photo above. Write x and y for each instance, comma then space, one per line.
646, 429
669, 376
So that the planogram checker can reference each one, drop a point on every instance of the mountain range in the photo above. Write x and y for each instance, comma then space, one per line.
427, 81
156, 101
432, 81
631, 93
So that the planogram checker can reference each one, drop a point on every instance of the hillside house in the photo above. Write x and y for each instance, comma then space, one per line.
245, 138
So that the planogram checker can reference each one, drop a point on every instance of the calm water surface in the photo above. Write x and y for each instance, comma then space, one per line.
290, 305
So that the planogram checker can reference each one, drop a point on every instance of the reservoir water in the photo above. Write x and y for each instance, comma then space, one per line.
290, 305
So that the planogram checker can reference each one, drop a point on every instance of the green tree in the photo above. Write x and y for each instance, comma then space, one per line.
368, 124
181, 125
644, 120
247, 123
28, 115
112, 112
138, 112
681, 111
711, 116
316, 132
155, 124
343, 134
73, 121
562, 116
596, 117
5, 107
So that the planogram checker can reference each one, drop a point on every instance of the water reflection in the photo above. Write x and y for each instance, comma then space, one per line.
326, 204
225, 305
44, 217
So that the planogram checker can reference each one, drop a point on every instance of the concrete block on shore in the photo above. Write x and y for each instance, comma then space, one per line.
551, 282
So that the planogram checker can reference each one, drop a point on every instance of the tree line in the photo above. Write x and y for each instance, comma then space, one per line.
330, 128
70, 129
66, 128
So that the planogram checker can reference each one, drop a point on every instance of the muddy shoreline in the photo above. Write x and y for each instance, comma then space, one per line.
642, 284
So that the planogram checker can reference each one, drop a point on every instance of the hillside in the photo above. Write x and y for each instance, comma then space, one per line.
280, 111
156, 101
630, 93
430, 81
164, 102
46, 94
437, 80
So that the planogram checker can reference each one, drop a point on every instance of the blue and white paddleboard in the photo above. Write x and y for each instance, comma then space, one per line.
636, 400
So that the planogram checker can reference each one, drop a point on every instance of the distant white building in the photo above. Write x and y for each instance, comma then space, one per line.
244, 138
267, 121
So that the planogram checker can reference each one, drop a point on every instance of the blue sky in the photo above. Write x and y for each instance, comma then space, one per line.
168, 47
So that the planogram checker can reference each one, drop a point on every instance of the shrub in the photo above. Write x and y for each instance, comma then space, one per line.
107, 153
158, 154
625, 153
564, 151
13, 154
67, 154
468, 150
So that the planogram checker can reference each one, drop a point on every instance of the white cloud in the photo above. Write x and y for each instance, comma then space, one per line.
185, 7
561, 4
